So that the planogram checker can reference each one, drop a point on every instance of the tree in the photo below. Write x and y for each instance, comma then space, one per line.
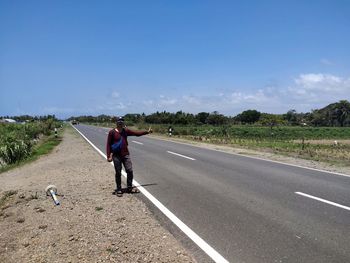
335, 114
133, 117
271, 120
291, 117
249, 116
202, 117
342, 111
216, 119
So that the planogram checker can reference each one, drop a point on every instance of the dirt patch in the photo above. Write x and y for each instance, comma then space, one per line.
90, 225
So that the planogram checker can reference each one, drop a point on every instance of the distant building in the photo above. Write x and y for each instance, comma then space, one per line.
7, 121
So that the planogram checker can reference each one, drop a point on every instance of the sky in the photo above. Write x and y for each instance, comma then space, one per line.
72, 58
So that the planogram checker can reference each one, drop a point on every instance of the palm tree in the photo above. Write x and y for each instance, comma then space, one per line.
342, 111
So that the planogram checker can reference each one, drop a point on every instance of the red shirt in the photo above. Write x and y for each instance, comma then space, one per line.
114, 136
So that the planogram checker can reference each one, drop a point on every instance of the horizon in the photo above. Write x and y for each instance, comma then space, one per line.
90, 58
112, 116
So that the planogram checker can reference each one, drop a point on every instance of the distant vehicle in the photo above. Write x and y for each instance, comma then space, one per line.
74, 122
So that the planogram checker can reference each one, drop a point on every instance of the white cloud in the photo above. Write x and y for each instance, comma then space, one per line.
259, 97
112, 106
191, 100
148, 103
317, 90
324, 88
224, 102
57, 110
165, 101
115, 95
321, 82
307, 91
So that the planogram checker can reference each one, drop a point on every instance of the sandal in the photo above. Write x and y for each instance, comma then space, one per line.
118, 193
133, 190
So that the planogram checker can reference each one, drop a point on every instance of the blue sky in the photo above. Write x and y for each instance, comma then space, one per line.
72, 58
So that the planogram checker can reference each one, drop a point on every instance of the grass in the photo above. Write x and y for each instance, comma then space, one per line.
45, 146
98, 208
33, 196
6, 196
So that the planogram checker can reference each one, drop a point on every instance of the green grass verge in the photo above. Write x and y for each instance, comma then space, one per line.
45, 146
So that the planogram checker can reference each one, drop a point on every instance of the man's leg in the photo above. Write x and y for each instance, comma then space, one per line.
118, 172
128, 168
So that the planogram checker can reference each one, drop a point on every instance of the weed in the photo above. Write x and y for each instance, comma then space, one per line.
112, 249
33, 196
6, 196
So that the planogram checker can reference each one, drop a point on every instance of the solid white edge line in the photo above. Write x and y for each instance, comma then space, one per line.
257, 158
137, 142
184, 156
211, 252
323, 200
97, 149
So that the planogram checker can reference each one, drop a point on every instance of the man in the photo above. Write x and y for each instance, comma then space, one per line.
117, 151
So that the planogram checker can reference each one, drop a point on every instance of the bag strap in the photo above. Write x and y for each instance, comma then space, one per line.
122, 133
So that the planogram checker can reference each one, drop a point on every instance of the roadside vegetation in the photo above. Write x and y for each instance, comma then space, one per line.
22, 142
322, 134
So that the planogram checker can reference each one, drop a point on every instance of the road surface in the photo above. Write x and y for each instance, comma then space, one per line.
246, 209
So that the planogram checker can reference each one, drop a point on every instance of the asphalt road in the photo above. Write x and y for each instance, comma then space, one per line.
247, 209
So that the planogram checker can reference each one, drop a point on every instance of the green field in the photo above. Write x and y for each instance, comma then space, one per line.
257, 132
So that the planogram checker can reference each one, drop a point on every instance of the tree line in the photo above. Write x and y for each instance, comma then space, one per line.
334, 115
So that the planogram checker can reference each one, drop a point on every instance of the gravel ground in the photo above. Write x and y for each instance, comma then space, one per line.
90, 225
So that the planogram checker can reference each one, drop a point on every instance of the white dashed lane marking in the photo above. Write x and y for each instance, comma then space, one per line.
184, 156
323, 200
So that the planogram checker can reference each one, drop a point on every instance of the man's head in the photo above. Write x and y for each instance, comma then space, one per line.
120, 121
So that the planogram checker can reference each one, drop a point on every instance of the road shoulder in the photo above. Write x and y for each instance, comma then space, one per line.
90, 225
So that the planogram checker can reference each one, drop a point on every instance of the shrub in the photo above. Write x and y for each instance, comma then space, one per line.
13, 150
